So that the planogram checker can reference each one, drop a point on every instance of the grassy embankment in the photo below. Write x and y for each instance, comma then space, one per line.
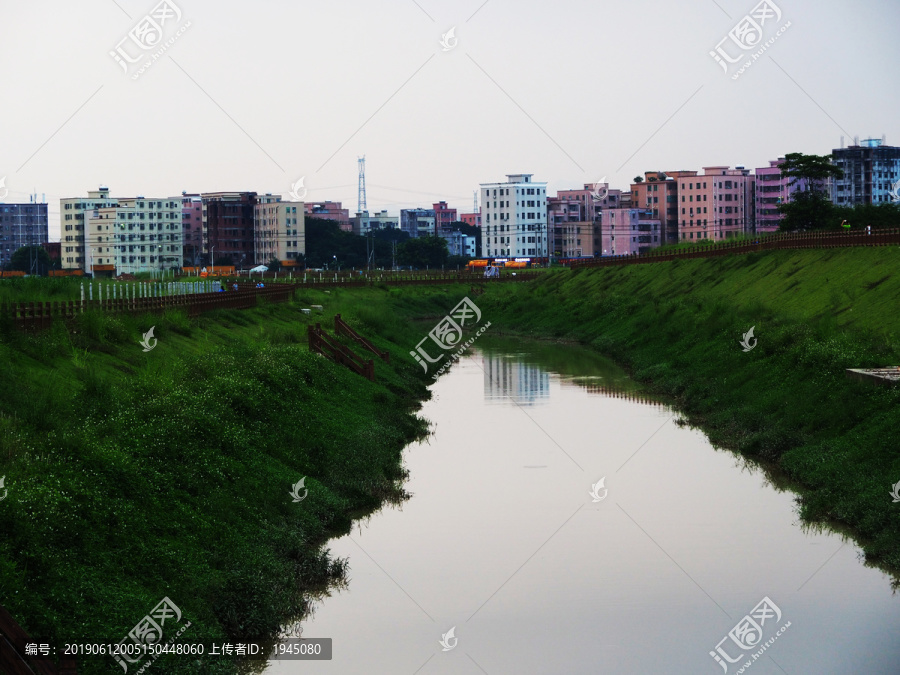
132, 476
677, 327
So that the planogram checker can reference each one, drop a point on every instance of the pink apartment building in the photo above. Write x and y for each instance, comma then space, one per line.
330, 211
443, 216
718, 205
658, 192
627, 231
574, 219
192, 228
473, 219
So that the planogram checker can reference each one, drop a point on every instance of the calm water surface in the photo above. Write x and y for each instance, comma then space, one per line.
504, 541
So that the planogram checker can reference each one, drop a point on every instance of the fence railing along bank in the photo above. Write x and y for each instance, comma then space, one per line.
342, 328
787, 240
322, 343
40, 315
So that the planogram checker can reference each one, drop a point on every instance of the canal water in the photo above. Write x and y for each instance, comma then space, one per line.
685, 559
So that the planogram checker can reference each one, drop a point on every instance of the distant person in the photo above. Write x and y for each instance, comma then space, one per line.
235, 286
868, 229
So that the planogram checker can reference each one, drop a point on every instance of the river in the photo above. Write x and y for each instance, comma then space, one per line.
685, 559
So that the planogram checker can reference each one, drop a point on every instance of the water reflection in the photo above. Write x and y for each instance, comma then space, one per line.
506, 377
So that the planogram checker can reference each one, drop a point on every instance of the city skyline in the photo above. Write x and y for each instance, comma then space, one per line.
572, 96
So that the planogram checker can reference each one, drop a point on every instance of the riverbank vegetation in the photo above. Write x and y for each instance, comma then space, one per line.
134, 475
678, 327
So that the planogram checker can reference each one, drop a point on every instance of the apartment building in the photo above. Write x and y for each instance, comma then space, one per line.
871, 173
658, 192
719, 204
514, 217
72, 225
21, 225
279, 231
363, 223
444, 216
329, 211
192, 228
228, 225
418, 222
629, 231
137, 234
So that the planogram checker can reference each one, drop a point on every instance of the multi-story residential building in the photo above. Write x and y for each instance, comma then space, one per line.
718, 205
444, 215
418, 222
192, 228
659, 193
72, 223
21, 225
229, 226
514, 217
330, 211
574, 218
137, 234
363, 223
773, 188
627, 231
459, 243
279, 231
871, 173
473, 219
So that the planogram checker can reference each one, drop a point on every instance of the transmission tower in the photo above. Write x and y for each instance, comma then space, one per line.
361, 206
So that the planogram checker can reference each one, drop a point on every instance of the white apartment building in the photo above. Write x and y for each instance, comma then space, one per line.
279, 230
138, 234
514, 217
109, 235
72, 210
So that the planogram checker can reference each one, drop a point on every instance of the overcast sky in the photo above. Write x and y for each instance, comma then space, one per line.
254, 96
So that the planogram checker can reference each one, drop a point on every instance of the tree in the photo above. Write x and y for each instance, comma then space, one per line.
423, 252
274, 264
638, 179
814, 169
807, 210
31, 260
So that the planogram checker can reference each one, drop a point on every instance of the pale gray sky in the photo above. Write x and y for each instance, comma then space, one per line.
253, 96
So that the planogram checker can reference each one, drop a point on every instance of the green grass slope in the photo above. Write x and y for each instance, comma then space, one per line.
136, 475
678, 325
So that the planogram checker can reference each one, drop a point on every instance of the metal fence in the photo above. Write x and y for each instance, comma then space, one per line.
786, 240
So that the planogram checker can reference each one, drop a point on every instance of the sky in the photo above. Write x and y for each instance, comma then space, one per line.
259, 96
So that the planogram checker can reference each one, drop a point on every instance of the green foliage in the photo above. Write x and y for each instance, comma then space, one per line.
135, 475
423, 252
31, 260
